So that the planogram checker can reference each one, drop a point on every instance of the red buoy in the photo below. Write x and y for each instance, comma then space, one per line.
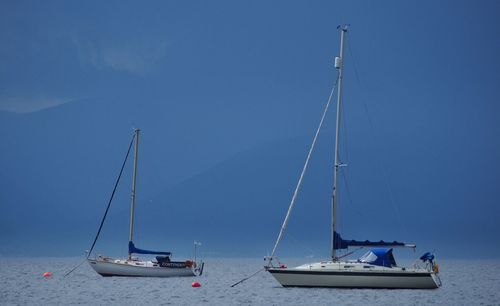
47, 274
195, 285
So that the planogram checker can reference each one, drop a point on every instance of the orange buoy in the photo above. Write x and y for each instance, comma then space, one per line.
195, 285
47, 274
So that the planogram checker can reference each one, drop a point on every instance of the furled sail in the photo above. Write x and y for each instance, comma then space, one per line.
339, 243
133, 250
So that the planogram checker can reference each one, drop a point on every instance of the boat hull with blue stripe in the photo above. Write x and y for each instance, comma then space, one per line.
354, 275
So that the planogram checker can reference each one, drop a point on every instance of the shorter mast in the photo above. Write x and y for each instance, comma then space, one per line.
132, 206
339, 64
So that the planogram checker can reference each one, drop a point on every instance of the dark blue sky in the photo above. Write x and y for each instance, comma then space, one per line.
210, 81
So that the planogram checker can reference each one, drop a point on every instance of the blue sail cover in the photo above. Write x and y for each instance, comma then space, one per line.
133, 250
379, 257
339, 243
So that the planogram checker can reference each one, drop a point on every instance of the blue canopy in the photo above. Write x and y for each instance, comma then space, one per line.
379, 257
133, 250
339, 243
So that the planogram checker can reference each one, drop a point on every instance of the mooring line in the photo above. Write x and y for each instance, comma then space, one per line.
75, 268
241, 281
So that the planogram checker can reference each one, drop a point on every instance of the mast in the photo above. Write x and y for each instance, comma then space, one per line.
132, 206
339, 64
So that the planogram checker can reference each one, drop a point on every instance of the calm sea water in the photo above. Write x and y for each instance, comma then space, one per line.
464, 283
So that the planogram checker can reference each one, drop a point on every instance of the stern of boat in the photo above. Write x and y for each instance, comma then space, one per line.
198, 268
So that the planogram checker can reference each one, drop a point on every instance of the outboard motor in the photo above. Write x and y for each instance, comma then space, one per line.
428, 258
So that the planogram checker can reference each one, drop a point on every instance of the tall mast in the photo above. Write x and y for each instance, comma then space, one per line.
339, 64
132, 206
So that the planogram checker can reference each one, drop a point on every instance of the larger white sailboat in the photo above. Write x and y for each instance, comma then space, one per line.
163, 266
377, 268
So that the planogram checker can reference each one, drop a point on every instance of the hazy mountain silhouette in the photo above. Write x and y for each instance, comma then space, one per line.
227, 183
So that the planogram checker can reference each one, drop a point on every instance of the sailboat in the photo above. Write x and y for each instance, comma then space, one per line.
377, 268
163, 266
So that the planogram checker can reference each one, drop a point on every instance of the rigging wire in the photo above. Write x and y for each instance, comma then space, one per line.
374, 136
302, 245
299, 183
348, 190
343, 161
112, 195
350, 253
343, 170
107, 208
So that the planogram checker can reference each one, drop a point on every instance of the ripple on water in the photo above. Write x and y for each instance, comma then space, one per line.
464, 283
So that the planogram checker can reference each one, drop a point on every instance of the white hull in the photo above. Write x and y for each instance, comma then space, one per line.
377, 269
330, 274
134, 268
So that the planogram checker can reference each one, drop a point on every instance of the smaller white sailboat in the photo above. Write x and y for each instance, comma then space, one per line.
377, 268
163, 266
